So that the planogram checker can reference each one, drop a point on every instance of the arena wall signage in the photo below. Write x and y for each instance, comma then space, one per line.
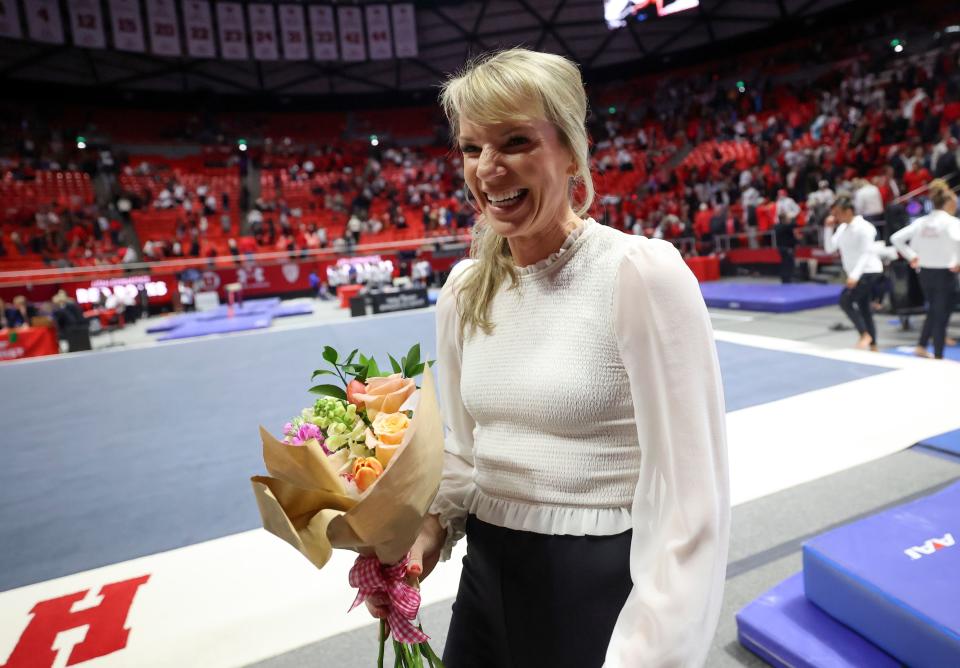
258, 30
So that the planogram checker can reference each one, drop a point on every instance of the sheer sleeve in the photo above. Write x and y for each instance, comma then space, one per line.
681, 507
457, 485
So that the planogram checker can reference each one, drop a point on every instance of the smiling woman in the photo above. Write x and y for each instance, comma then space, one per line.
519, 119
585, 455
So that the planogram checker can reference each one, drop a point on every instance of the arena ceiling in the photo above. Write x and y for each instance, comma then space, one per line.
448, 33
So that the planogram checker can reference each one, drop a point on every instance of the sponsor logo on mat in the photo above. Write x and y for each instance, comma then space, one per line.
929, 547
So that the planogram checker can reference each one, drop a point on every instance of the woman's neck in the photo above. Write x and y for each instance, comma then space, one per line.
530, 250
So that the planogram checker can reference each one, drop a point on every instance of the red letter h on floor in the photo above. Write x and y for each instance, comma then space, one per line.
105, 635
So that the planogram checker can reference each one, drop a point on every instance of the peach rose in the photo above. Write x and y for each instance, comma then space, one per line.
366, 470
386, 394
389, 428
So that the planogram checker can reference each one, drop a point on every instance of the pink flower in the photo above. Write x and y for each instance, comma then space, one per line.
304, 433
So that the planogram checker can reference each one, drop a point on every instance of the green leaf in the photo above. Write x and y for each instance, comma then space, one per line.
431, 363
331, 355
329, 391
322, 372
395, 364
350, 356
413, 356
372, 369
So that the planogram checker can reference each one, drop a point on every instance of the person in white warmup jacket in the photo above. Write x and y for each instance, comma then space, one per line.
586, 457
931, 244
854, 238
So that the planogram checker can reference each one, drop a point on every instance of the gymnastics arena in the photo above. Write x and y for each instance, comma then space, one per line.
198, 196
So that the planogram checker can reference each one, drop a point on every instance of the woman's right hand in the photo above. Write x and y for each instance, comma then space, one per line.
424, 556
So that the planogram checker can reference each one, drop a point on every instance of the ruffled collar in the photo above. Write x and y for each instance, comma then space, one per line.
553, 258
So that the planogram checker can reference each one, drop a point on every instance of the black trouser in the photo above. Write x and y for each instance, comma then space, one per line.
530, 600
940, 291
855, 302
788, 264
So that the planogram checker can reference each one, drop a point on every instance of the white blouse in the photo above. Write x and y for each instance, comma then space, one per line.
593, 408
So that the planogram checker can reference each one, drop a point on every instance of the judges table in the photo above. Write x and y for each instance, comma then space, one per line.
27, 342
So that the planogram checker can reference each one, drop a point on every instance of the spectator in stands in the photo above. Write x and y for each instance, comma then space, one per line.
22, 312
946, 167
786, 234
819, 203
868, 201
931, 244
70, 321
854, 238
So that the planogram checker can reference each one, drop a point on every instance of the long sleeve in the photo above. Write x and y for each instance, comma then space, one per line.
831, 240
865, 239
901, 240
457, 483
681, 507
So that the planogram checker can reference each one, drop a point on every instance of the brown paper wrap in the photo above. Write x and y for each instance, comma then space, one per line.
304, 501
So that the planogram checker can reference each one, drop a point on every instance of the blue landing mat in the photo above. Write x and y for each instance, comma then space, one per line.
787, 631
252, 314
949, 352
239, 323
771, 297
893, 578
949, 442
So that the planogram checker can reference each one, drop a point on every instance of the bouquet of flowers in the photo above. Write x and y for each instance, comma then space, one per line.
358, 470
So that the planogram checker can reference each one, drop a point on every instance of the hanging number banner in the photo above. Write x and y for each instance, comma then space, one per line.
10, 19
233, 32
198, 23
127, 25
378, 32
352, 48
86, 24
164, 33
44, 22
263, 32
293, 29
323, 34
404, 30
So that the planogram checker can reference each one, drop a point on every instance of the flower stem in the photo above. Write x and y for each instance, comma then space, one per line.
383, 641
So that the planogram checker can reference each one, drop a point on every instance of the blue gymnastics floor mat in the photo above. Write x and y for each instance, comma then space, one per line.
771, 297
949, 442
949, 352
894, 578
787, 631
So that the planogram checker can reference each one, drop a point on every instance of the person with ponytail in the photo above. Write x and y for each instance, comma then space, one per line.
586, 457
931, 244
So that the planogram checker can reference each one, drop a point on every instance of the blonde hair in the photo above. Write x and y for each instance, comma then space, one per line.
940, 193
503, 86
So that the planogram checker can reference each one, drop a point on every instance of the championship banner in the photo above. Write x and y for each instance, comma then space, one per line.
44, 23
378, 32
404, 30
352, 48
323, 33
10, 19
127, 25
263, 32
86, 24
198, 22
164, 33
233, 32
294, 32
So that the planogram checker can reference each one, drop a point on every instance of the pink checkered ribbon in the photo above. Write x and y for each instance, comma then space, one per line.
371, 577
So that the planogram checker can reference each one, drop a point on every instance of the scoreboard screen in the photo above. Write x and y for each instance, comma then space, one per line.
618, 12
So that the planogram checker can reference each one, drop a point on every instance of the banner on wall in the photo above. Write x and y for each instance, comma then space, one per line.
86, 24
263, 32
164, 33
44, 22
233, 31
352, 48
378, 32
10, 19
127, 25
404, 30
293, 31
198, 23
323, 33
